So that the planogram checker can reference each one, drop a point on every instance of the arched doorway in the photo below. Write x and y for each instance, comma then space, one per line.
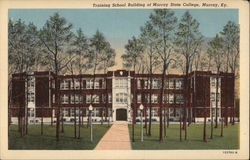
121, 115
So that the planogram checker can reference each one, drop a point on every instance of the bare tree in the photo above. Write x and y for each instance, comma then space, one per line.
148, 35
133, 54
22, 44
230, 35
55, 35
79, 48
216, 51
187, 42
164, 23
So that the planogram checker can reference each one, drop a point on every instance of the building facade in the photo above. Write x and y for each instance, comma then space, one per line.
116, 94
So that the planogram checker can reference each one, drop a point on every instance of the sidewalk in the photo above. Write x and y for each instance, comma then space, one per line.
116, 138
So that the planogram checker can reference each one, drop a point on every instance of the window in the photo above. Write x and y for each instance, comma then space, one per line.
212, 96
171, 84
96, 98
166, 84
88, 98
97, 84
147, 84
89, 83
31, 97
166, 98
103, 83
31, 112
121, 97
65, 112
139, 98
171, 98
64, 85
154, 98
65, 99
156, 84
139, 83
31, 81
110, 98
121, 83
179, 99
53, 98
76, 98
179, 84
75, 84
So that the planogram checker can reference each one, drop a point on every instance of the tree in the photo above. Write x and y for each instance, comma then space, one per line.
230, 35
148, 35
55, 35
216, 51
188, 40
100, 53
132, 56
80, 49
108, 60
23, 47
164, 22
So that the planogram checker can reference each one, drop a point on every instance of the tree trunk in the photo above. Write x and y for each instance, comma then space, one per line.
168, 116
161, 99
42, 121
212, 124
165, 128
216, 102
150, 105
204, 129
180, 123
222, 121
57, 109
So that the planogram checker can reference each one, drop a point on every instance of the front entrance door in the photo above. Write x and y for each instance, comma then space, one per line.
121, 115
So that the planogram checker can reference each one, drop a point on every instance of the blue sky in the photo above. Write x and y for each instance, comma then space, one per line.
119, 25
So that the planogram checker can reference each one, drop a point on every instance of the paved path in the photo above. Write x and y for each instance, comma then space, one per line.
116, 138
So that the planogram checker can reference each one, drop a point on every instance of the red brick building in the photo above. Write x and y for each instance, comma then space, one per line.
112, 95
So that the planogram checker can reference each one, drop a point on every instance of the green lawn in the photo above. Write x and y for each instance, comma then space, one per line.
195, 138
34, 140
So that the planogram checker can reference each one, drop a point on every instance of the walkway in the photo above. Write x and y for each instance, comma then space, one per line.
116, 138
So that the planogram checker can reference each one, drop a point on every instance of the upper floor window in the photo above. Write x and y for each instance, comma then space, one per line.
31, 97
121, 97
179, 84
31, 81
64, 84
213, 81
171, 98
171, 83
75, 98
65, 99
95, 98
75, 84
156, 84
166, 98
139, 83
179, 98
154, 98
110, 98
147, 84
121, 83
139, 98
89, 84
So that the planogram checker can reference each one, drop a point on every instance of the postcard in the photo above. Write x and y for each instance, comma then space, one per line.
124, 79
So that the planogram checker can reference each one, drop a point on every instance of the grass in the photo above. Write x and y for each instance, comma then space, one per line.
230, 140
47, 141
